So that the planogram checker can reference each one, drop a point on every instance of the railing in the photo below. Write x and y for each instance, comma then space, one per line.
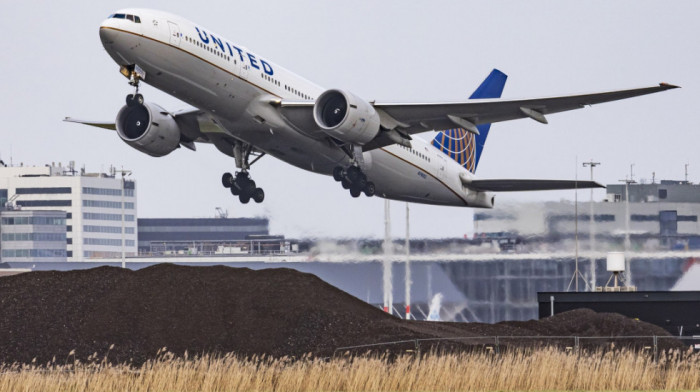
495, 344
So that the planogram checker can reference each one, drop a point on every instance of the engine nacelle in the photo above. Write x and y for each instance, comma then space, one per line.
346, 117
149, 129
481, 199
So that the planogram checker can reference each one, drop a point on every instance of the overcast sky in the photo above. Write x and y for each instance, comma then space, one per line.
53, 65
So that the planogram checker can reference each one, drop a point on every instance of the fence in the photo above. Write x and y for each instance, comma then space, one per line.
652, 344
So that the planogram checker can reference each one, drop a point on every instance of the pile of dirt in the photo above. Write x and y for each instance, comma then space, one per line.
220, 309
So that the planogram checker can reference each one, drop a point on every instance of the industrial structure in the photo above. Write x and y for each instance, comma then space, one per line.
208, 236
660, 215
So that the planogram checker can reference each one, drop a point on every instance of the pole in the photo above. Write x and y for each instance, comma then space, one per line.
591, 229
408, 267
386, 270
123, 250
628, 242
576, 273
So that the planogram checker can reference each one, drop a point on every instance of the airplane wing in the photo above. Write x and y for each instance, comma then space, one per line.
421, 117
104, 125
503, 185
196, 127
412, 118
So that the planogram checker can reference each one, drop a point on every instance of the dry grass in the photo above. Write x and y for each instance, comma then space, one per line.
546, 369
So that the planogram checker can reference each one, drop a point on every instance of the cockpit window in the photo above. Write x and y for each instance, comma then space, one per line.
132, 18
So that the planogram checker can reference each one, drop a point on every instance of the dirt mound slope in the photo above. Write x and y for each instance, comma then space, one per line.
221, 309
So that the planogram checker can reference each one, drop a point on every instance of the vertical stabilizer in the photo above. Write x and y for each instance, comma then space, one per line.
465, 147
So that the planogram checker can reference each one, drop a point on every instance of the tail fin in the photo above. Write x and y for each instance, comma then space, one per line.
466, 147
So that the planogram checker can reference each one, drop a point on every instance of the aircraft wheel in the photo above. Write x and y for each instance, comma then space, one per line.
369, 189
355, 192
130, 100
227, 180
345, 183
258, 195
338, 173
244, 198
248, 186
235, 191
138, 98
353, 173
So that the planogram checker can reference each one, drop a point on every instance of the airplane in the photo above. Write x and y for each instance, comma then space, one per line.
248, 106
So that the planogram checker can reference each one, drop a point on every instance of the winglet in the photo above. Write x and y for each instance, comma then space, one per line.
668, 86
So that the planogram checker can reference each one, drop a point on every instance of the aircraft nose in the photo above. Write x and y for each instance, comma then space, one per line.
107, 35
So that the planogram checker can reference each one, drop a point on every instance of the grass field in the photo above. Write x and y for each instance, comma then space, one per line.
541, 370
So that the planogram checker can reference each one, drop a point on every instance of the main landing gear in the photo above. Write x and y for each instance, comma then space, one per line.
355, 180
243, 186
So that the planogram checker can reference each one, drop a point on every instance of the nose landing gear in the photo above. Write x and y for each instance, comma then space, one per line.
135, 75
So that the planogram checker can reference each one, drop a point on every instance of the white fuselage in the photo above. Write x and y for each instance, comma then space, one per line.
234, 87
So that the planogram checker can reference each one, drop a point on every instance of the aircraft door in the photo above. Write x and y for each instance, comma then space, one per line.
441, 166
175, 35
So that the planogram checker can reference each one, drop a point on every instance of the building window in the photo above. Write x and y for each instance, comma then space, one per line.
34, 220
102, 229
42, 191
663, 193
102, 204
102, 191
37, 253
36, 237
44, 203
108, 217
102, 241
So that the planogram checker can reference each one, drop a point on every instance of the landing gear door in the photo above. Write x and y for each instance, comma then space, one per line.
174, 34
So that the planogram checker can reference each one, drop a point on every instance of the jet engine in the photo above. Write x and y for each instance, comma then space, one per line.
148, 128
346, 117
481, 199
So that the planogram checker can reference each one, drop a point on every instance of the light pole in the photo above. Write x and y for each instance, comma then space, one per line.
124, 173
591, 228
408, 268
386, 264
628, 243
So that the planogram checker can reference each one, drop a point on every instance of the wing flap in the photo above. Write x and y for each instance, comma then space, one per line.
508, 185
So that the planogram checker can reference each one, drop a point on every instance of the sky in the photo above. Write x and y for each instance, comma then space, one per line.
53, 65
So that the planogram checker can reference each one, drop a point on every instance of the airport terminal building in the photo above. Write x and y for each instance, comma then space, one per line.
94, 217
99, 208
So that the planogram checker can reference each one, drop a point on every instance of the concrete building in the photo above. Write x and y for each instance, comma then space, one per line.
661, 216
207, 236
33, 236
100, 208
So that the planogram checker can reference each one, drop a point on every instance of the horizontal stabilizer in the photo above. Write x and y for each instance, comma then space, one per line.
527, 185
106, 125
